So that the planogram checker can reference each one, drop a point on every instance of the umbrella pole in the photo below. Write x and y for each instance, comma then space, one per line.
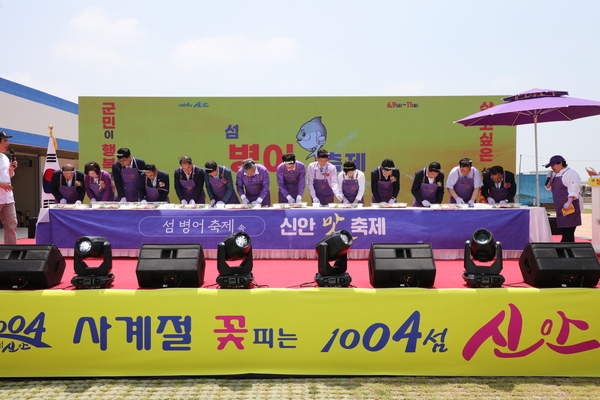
537, 175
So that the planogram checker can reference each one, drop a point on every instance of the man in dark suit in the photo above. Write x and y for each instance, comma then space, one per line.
126, 172
499, 186
67, 185
154, 185
189, 182
428, 186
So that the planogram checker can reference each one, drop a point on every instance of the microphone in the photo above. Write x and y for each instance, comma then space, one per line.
12, 155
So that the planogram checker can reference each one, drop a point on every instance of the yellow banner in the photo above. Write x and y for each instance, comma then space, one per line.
325, 331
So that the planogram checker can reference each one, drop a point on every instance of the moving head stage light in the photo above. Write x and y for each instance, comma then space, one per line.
234, 248
484, 248
333, 247
93, 248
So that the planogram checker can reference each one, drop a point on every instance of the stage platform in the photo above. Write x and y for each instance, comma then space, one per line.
286, 325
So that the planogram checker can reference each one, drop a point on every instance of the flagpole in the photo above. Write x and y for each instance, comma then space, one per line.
50, 166
537, 175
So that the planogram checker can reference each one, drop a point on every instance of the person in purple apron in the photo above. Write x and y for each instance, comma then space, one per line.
499, 186
428, 186
252, 182
189, 182
352, 183
322, 180
219, 184
67, 185
154, 186
385, 182
291, 179
565, 185
98, 184
464, 183
127, 175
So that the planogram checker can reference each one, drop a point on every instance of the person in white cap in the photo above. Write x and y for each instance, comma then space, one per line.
565, 185
8, 213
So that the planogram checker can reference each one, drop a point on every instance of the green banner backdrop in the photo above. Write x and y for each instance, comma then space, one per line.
413, 131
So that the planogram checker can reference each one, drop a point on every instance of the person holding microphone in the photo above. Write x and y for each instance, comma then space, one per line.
8, 213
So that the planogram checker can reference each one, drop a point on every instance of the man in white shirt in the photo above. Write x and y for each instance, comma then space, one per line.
322, 179
8, 213
464, 183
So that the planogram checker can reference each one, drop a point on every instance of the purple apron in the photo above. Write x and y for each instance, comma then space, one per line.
188, 186
291, 182
323, 191
350, 190
219, 187
152, 194
385, 189
427, 190
131, 179
501, 193
254, 185
69, 193
98, 191
464, 187
560, 194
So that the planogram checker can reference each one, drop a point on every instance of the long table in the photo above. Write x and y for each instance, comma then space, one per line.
293, 233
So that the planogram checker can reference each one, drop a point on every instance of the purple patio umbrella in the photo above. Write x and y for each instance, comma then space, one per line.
531, 107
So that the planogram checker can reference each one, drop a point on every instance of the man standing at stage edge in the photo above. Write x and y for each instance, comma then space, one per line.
8, 213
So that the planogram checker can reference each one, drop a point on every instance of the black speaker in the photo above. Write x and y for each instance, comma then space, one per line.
401, 265
560, 265
170, 265
30, 266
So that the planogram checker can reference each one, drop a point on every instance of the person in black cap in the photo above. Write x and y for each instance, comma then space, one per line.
385, 182
351, 182
291, 179
8, 212
253, 183
67, 185
127, 173
322, 180
464, 183
428, 186
189, 182
154, 186
565, 185
499, 186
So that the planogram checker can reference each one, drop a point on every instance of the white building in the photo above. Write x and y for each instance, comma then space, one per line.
25, 114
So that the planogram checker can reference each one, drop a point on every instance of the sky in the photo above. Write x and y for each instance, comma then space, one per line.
72, 48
